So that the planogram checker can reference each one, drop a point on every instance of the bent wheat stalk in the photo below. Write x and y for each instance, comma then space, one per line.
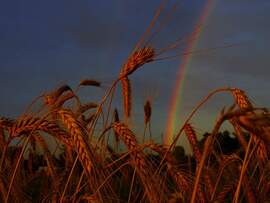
137, 59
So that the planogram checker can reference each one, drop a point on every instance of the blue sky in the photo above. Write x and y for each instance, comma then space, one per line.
48, 43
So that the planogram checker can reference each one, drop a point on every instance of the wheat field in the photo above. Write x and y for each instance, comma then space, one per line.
87, 164
114, 164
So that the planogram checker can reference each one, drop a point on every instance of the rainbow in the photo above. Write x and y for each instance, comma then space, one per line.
175, 101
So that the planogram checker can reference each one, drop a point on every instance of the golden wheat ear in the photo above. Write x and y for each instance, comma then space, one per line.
78, 138
52, 97
255, 121
143, 167
137, 59
87, 82
241, 99
126, 93
192, 138
127, 136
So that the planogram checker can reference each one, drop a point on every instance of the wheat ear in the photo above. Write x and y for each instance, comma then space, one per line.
126, 92
136, 60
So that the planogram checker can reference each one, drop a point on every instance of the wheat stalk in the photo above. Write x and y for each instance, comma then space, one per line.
136, 60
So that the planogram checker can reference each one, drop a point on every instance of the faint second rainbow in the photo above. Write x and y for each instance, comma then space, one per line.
178, 91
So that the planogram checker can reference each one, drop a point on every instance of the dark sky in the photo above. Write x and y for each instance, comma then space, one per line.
47, 43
